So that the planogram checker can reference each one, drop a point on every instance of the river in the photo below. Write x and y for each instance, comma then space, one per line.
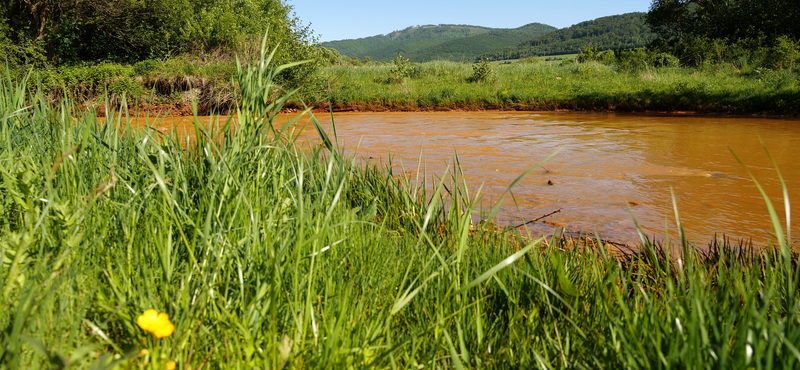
607, 165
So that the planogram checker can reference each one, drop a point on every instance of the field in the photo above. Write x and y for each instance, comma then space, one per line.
265, 255
589, 86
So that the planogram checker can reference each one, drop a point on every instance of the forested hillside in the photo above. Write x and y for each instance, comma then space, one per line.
468, 48
623, 31
407, 41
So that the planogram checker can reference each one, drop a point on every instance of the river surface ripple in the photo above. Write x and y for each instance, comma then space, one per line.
607, 164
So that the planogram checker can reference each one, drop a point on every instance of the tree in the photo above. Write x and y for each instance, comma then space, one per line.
725, 19
133, 30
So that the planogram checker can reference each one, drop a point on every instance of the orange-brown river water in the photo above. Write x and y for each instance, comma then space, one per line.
606, 163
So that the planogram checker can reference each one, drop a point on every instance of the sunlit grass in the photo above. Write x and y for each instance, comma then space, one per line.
267, 256
568, 85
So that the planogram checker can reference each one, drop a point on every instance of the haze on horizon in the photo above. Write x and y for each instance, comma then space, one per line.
352, 19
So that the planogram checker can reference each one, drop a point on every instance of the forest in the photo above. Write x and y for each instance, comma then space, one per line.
442, 42
626, 31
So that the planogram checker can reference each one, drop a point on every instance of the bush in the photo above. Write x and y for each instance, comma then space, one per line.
126, 86
634, 60
588, 54
666, 60
483, 72
147, 67
26, 54
607, 57
401, 69
785, 53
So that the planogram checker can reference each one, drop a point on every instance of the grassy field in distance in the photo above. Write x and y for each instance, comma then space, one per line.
533, 84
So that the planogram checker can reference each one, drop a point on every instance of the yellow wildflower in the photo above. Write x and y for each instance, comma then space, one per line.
156, 323
147, 319
164, 331
143, 352
170, 365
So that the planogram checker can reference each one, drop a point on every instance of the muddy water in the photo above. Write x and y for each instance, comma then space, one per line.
606, 164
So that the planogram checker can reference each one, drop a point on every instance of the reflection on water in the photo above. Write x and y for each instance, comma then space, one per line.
607, 164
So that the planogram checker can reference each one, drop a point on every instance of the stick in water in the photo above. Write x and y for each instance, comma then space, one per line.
540, 218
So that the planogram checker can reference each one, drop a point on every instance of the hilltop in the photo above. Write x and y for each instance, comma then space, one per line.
406, 41
467, 49
431, 42
624, 31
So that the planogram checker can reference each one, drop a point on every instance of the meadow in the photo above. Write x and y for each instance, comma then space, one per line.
537, 85
266, 254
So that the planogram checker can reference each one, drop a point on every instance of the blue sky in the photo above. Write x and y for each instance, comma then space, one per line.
347, 19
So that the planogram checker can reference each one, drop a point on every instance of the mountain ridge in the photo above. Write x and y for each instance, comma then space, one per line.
386, 46
467, 49
467, 43
622, 31
424, 43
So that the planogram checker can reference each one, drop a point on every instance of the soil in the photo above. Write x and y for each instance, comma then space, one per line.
185, 109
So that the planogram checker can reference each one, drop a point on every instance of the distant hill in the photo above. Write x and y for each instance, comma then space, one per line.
619, 31
407, 41
424, 43
467, 49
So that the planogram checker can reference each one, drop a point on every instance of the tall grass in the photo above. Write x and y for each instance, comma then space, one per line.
268, 256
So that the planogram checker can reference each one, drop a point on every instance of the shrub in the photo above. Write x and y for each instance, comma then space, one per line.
666, 60
785, 53
607, 57
127, 86
588, 54
401, 69
147, 67
634, 60
483, 72
190, 69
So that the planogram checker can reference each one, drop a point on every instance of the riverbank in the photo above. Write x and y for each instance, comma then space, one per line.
187, 109
590, 86
443, 86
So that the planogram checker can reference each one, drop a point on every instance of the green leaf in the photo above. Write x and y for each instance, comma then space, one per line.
503, 264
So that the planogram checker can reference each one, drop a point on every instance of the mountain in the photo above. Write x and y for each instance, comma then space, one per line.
424, 43
623, 31
409, 40
467, 49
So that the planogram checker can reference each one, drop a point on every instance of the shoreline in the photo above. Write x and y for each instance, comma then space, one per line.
186, 109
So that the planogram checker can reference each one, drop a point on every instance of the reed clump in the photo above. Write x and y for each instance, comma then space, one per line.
264, 255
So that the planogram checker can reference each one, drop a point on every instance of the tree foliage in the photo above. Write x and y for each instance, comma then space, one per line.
748, 33
623, 31
133, 30
410, 40
725, 19
467, 49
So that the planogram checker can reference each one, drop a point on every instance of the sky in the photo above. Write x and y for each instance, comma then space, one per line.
350, 19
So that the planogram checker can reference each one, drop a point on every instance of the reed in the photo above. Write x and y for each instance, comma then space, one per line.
267, 255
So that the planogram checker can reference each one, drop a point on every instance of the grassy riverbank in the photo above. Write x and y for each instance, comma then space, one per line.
532, 86
589, 86
265, 256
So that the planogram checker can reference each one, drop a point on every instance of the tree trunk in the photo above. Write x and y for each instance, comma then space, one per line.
40, 12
